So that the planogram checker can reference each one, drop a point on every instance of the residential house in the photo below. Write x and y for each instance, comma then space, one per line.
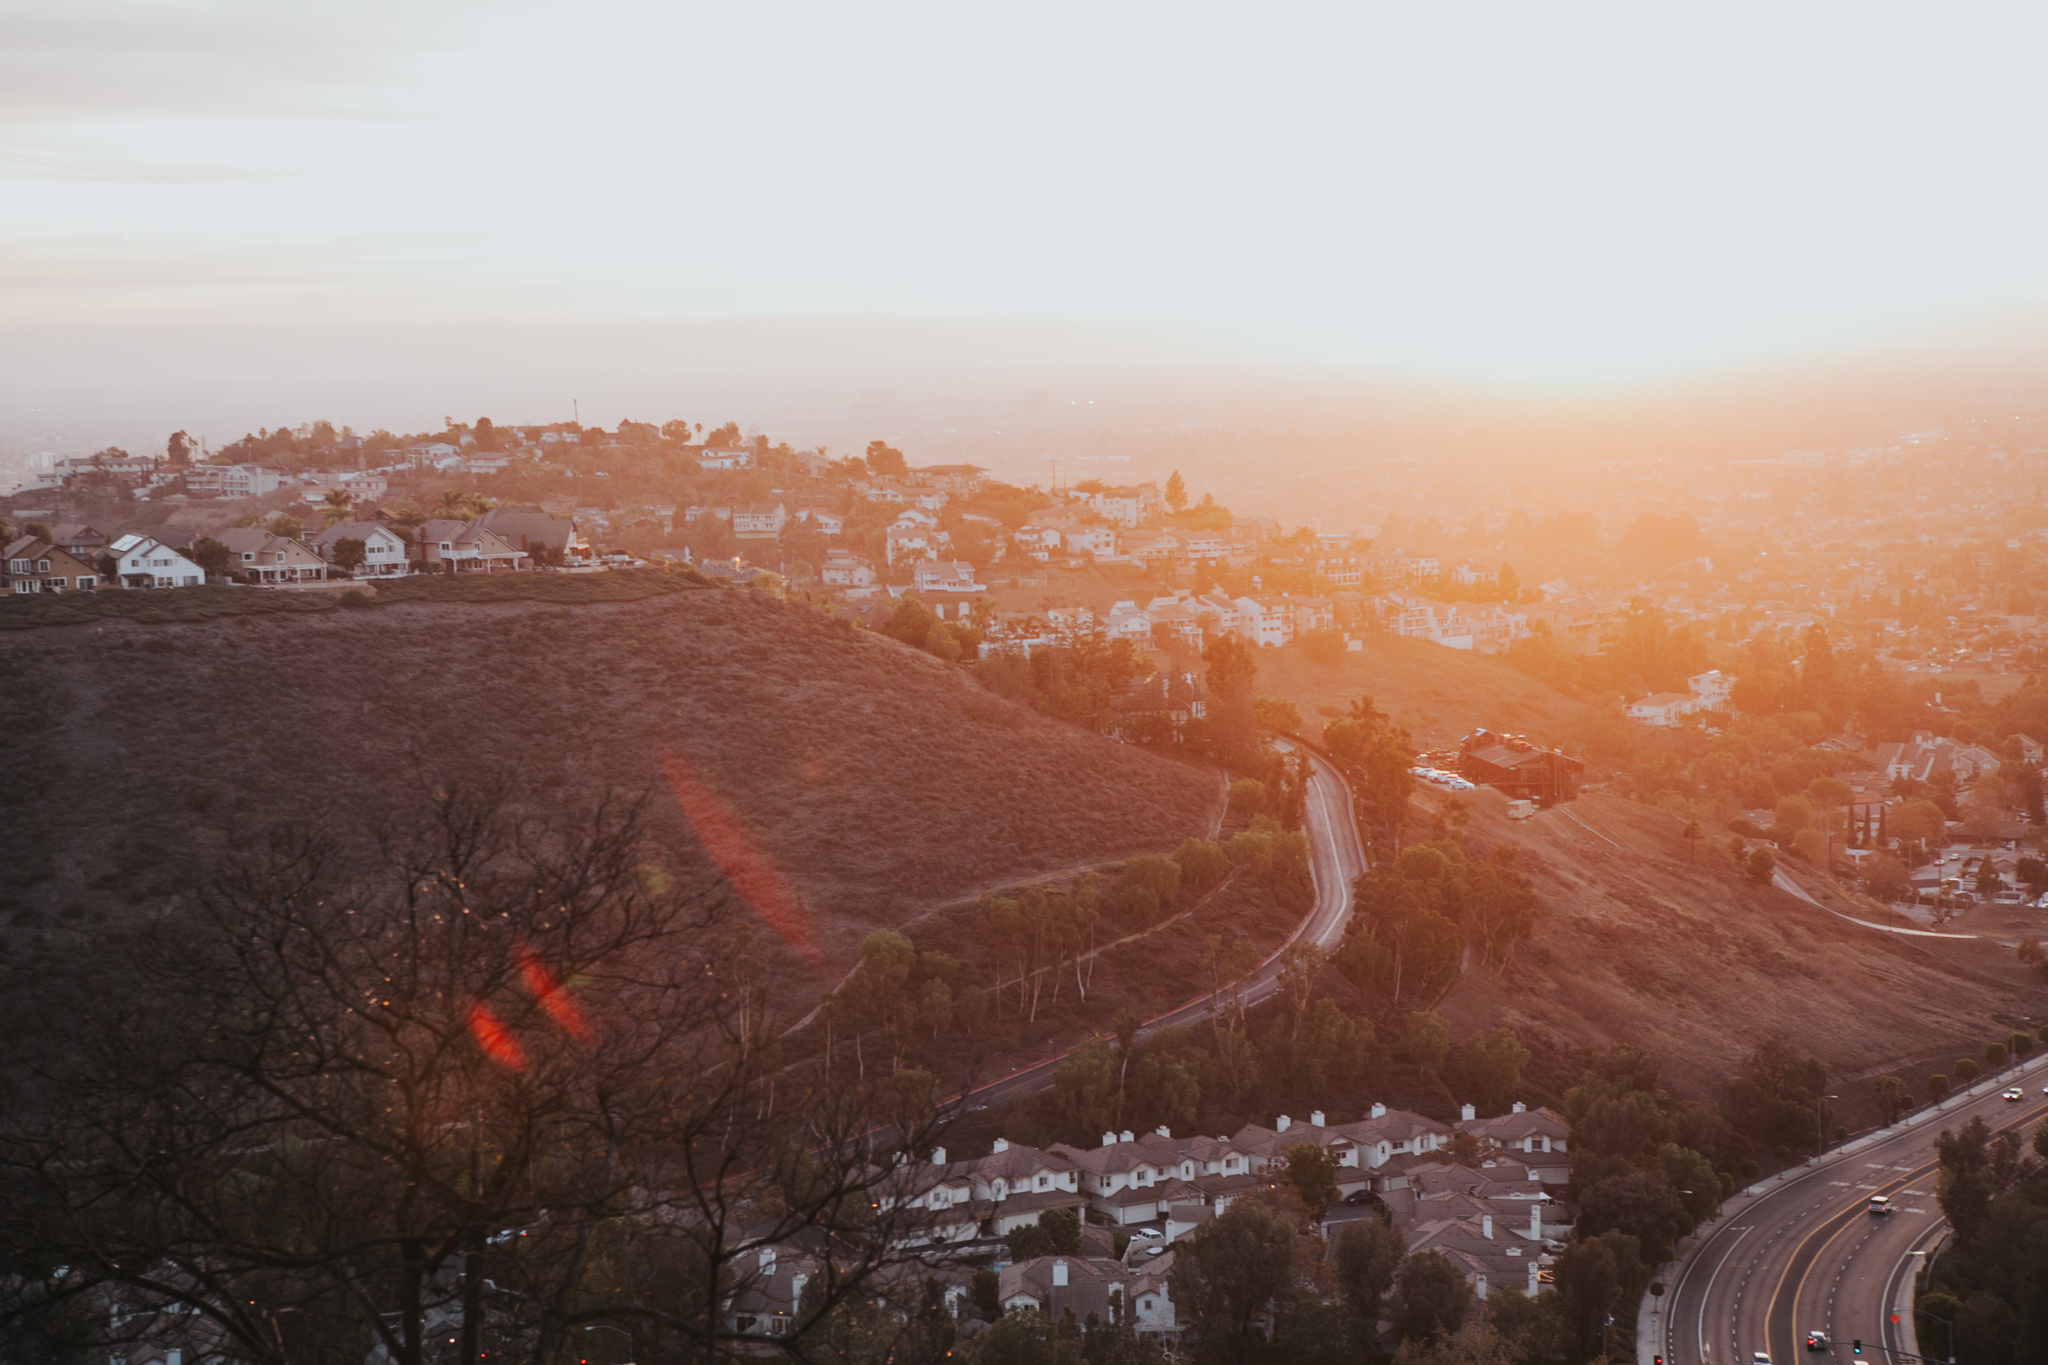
31, 564
146, 562
759, 520
1924, 755
728, 458
915, 517
1209, 545
258, 556
1099, 541
233, 481
1038, 540
1020, 1183
906, 544
1663, 708
1124, 506
464, 547
831, 523
1520, 769
1084, 1285
1533, 1133
946, 576
537, 532
80, 541
1340, 568
1152, 547
1265, 621
845, 569
961, 480
384, 553
1164, 702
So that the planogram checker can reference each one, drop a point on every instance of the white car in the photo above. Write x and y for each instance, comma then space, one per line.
2014, 1094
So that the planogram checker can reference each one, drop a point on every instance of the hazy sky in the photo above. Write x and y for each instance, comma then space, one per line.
1520, 192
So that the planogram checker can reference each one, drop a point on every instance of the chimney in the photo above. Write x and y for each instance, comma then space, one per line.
1536, 1221
767, 1255
1467, 1113
1059, 1274
1533, 1286
1379, 1111
1315, 1118
1001, 1145
796, 1290
1519, 1108
1480, 1288
1486, 1226
1163, 1131
938, 1156
1126, 1136
1109, 1139
1283, 1124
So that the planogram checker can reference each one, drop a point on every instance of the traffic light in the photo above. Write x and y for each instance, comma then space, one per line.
1658, 1359
1856, 1346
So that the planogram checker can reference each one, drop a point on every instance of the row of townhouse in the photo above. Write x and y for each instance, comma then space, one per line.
1158, 1178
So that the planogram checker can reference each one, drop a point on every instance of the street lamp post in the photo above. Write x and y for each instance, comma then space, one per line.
1919, 1311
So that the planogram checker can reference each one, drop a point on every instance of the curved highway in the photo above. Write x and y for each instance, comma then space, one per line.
1806, 1255
1336, 858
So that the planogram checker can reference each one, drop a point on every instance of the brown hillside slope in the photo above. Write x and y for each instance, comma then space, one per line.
1439, 694
878, 780
1635, 945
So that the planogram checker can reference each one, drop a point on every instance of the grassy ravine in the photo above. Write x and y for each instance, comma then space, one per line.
166, 606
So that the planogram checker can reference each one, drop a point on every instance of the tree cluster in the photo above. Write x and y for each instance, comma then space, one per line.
1415, 915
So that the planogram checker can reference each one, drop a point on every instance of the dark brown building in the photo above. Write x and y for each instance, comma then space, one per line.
1520, 769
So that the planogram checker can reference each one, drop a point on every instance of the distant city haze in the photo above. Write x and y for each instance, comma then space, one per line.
218, 215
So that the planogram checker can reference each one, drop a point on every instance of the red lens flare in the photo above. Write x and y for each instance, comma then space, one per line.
552, 997
740, 857
498, 1044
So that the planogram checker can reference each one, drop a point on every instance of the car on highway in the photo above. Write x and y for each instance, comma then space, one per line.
1759, 1358
1880, 1203
2014, 1093
1816, 1341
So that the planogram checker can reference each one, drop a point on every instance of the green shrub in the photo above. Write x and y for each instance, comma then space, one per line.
1966, 1070
356, 597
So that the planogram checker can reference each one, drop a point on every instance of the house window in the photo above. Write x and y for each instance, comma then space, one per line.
87, 582
58, 584
42, 566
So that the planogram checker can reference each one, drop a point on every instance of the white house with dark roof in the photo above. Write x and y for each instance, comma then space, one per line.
384, 553
146, 562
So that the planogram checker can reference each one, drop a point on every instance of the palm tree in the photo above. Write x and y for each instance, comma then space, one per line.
338, 505
477, 503
452, 502
407, 518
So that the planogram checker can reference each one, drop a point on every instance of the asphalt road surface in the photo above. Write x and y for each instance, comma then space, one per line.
1336, 858
1806, 1255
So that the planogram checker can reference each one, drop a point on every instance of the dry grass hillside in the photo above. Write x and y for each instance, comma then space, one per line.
1439, 694
877, 780
1635, 944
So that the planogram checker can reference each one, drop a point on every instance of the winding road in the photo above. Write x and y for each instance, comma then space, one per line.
1801, 1252
1336, 858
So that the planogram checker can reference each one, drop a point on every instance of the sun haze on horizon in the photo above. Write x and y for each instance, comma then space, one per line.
1578, 196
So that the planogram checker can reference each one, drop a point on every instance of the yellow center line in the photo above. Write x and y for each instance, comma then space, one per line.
1848, 1218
